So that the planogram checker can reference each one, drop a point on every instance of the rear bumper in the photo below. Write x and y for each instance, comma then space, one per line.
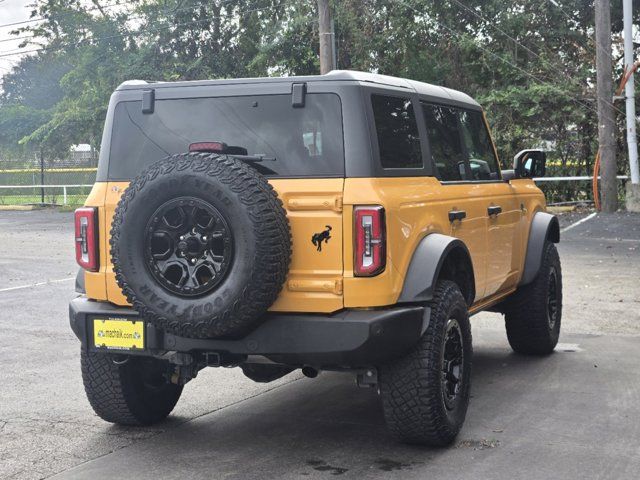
347, 339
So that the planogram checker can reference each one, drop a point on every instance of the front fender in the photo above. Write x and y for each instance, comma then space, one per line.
426, 265
543, 227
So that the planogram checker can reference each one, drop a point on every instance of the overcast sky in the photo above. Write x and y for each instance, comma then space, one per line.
11, 11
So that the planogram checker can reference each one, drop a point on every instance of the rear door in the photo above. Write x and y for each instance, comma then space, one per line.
462, 198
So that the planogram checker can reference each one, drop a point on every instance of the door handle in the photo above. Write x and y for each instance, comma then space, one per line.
494, 210
457, 215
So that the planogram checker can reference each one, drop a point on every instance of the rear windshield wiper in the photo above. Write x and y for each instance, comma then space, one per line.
256, 157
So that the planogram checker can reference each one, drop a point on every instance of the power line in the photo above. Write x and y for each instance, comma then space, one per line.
138, 17
11, 53
42, 19
12, 39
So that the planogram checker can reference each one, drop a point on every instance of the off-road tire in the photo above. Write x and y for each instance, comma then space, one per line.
119, 391
261, 245
530, 329
412, 394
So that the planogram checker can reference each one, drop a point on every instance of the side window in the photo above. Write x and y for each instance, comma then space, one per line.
444, 139
482, 158
398, 137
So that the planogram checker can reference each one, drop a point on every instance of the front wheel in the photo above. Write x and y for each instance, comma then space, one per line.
425, 394
533, 315
128, 390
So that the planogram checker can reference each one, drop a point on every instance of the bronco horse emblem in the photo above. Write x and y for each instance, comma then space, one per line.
318, 238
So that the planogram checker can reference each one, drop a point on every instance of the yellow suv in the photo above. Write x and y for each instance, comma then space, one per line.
349, 222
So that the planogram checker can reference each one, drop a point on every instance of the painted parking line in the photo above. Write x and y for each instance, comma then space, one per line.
575, 224
39, 284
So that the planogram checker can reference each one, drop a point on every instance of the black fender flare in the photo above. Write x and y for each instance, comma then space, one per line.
426, 264
544, 226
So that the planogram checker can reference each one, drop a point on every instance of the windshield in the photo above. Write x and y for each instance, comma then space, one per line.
293, 141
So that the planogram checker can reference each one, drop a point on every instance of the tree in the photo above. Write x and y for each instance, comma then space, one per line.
523, 61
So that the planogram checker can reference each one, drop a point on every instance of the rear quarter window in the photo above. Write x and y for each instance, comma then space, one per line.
397, 132
296, 142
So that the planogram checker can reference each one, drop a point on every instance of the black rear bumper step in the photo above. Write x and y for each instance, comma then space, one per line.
347, 339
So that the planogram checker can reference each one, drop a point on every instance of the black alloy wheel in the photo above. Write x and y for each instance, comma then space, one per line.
189, 246
452, 364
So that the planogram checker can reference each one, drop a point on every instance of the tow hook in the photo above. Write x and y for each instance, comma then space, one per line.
367, 378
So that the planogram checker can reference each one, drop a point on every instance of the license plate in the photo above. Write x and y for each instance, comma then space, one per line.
118, 333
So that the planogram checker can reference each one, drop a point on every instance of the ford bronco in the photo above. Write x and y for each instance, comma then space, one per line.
348, 222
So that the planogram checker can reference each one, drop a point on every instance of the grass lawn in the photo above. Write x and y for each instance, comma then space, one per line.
73, 200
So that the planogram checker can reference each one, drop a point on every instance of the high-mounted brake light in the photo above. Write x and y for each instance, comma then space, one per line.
370, 241
208, 147
87, 238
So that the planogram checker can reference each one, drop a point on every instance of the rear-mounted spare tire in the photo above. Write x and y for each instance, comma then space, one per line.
200, 245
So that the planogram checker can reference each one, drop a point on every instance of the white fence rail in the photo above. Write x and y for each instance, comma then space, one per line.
573, 179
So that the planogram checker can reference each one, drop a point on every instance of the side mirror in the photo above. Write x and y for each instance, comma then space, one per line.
530, 164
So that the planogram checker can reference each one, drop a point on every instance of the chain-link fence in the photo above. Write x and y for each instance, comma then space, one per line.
37, 179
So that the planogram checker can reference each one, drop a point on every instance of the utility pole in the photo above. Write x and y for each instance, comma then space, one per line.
606, 121
326, 37
633, 188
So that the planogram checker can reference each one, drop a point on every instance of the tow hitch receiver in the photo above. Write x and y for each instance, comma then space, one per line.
367, 378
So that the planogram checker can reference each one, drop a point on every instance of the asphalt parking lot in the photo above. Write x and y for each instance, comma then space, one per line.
571, 415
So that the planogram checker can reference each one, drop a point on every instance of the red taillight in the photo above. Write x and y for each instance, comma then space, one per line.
87, 238
370, 241
208, 147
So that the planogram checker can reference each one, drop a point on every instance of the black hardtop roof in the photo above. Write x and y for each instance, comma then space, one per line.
433, 91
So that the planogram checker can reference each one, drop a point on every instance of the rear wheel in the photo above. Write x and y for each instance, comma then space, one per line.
128, 390
533, 315
425, 394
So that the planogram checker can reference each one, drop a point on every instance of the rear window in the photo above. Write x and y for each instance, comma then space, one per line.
293, 141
